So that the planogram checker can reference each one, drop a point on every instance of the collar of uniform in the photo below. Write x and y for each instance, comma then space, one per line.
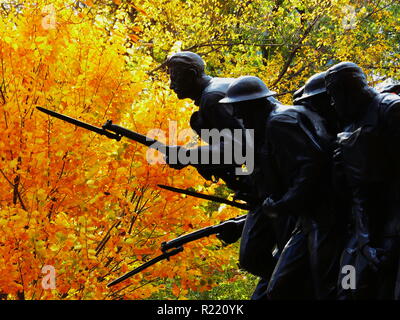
205, 82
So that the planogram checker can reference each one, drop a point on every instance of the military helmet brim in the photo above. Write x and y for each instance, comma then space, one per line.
246, 97
246, 88
391, 88
315, 85
311, 94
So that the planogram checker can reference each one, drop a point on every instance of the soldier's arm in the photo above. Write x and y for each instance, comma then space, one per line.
220, 125
391, 118
298, 157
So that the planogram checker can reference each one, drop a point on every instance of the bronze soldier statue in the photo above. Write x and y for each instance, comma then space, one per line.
189, 80
263, 237
314, 96
369, 152
296, 169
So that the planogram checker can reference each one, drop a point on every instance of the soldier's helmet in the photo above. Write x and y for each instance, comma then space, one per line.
391, 88
314, 85
246, 88
344, 69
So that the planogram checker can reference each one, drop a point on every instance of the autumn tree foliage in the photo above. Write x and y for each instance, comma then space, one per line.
90, 207
282, 41
79, 202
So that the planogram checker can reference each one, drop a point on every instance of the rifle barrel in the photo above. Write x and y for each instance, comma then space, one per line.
142, 139
110, 130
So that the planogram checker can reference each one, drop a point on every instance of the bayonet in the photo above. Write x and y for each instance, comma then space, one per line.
81, 124
110, 130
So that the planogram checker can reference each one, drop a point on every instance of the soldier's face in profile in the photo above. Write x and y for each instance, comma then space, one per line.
348, 92
336, 96
182, 81
341, 99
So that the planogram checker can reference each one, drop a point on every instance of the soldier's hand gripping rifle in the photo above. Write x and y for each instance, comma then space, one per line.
173, 247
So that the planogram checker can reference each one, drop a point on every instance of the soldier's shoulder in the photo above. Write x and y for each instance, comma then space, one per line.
215, 91
218, 85
287, 112
295, 116
282, 114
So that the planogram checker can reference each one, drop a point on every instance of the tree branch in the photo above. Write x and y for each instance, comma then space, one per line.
294, 51
221, 44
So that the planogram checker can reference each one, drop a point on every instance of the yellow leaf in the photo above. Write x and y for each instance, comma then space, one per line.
54, 247
41, 195
13, 163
